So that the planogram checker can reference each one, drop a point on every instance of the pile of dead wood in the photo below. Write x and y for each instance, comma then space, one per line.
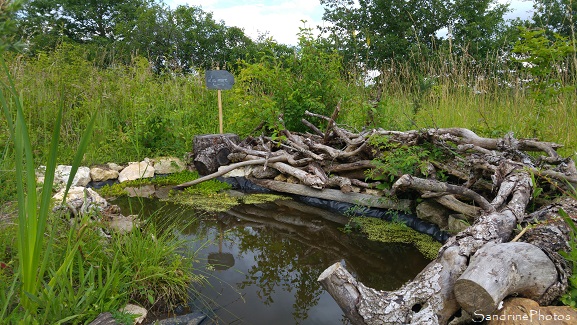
489, 181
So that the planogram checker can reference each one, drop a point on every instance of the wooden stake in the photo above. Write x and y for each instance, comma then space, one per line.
220, 111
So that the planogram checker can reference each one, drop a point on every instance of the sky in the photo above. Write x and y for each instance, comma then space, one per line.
282, 19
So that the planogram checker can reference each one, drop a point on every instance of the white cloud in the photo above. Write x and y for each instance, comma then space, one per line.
281, 19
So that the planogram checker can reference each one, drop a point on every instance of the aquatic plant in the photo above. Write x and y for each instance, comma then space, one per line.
396, 232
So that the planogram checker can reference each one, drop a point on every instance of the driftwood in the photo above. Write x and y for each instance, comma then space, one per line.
490, 181
499, 270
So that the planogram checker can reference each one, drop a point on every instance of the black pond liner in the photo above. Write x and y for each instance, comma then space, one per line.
244, 185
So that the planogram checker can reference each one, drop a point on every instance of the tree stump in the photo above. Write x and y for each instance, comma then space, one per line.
499, 270
211, 151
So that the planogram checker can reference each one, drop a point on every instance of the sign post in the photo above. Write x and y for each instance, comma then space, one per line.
219, 80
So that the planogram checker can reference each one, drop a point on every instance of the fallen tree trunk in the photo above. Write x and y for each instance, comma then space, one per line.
335, 195
499, 270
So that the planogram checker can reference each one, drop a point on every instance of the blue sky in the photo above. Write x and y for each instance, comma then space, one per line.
283, 18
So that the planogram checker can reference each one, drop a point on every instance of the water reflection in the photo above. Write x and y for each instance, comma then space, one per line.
263, 262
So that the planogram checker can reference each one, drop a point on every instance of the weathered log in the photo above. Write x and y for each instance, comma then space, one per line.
211, 151
499, 270
336, 195
408, 181
230, 168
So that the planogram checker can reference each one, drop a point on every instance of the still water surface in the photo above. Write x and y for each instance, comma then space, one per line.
262, 261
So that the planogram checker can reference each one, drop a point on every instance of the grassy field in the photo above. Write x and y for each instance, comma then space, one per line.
141, 114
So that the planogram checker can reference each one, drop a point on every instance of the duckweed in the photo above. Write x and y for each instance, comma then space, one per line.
395, 232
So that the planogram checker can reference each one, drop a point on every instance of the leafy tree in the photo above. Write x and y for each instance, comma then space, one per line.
373, 32
377, 31
477, 27
46, 22
557, 16
8, 37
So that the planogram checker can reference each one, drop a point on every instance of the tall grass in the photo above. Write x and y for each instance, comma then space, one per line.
140, 113
76, 274
33, 256
491, 99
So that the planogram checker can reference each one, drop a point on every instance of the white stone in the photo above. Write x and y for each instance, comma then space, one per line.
40, 172
62, 173
135, 310
135, 171
81, 193
168, 165
114, 166
123, 224
100, 174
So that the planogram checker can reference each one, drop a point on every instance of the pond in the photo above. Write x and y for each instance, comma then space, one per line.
262, 261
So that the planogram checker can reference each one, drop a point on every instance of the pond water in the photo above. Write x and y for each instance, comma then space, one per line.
262, 261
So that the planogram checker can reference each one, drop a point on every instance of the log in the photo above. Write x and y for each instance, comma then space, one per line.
499, 270
408, 181
336, 195
227, 169
210, 151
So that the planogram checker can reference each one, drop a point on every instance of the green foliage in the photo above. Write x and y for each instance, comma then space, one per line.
394, 160
542, 59
396, 232
570, 297
286, 88
556, 15
205, 188
8, 37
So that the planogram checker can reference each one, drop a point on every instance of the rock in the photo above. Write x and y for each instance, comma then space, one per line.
114, 166
62, 173
137, 170
123, 224
457, 223
522, 311
81, 200
104, 319
433, 212
79, 192
135, 310
168, 165
104, 173
189, 319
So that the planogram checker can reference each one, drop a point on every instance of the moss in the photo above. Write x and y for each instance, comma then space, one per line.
215, 202
395, 232
204, 188
261, 198
220, 202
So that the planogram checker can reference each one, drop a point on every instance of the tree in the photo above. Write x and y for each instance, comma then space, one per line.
8, 37
556, 16
373, 32
46, 22
377, 31
477, 27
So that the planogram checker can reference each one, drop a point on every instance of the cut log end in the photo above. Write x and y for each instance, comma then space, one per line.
473, 297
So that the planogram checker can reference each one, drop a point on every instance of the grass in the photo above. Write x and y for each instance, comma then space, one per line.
76, 273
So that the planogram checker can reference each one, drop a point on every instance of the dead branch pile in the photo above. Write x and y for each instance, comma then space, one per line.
488, 182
